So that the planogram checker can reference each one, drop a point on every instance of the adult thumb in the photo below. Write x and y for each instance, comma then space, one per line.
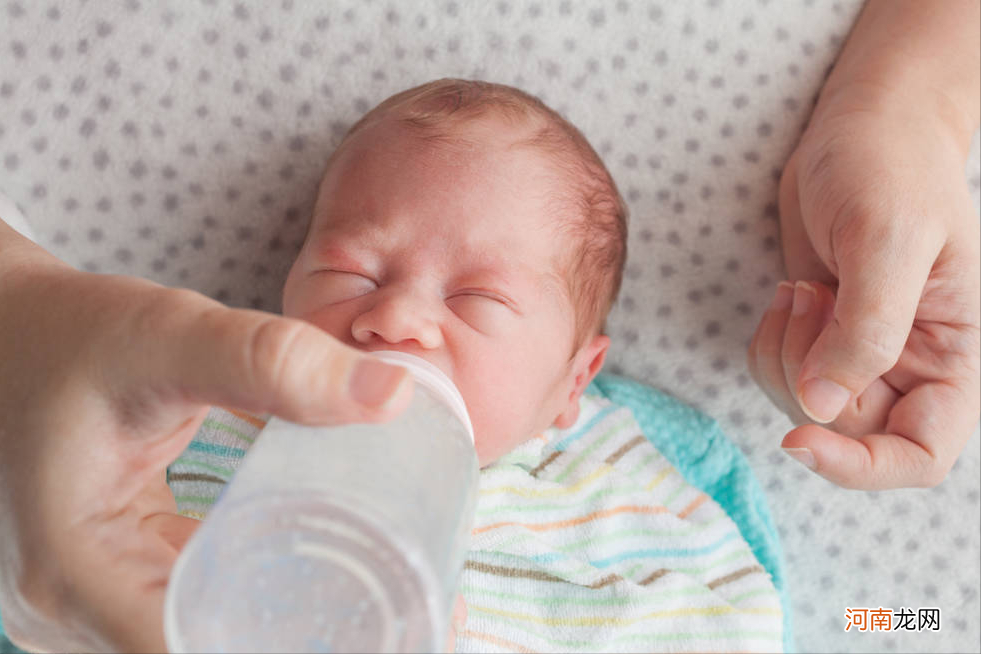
881, 277
207, 353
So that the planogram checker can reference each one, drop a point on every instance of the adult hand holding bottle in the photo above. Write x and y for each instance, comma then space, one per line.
103, 382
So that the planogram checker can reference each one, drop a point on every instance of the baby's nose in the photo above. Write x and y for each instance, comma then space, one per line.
397, 318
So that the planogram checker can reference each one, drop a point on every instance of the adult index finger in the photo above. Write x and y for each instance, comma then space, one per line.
882, 271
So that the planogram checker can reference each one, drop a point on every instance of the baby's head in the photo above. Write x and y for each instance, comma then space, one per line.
469, 224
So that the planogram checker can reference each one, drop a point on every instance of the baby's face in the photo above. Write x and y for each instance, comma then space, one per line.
449, 252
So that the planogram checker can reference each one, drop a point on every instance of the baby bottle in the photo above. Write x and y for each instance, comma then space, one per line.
336, 539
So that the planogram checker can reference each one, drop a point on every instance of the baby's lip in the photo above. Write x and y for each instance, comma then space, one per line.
416, 352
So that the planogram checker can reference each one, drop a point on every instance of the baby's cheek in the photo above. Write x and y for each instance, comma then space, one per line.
331, 320
499, 399
486, 440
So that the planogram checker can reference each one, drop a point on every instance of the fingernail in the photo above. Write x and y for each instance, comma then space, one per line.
804, 296
783, 298
802, 455
374, 383
822, 400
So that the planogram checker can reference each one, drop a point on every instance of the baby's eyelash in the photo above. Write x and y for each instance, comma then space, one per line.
490, 295
348, 272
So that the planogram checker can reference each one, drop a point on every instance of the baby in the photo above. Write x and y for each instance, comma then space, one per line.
469, 224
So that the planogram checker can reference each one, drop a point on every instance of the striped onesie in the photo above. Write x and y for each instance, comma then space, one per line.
585, 539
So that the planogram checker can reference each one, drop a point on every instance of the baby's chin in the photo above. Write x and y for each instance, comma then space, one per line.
487, 453
491, 448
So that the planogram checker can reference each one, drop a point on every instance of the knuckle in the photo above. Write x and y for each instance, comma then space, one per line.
864, 222
819, 155
860, 221
826, 185
163, 308
878, 342
920, 465
271, 345
175, 299
928, 480
933, 474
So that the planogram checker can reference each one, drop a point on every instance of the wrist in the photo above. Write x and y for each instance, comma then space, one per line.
921, 57
899, 98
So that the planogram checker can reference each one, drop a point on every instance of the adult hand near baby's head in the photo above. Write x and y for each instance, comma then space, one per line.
879, 338
103, 382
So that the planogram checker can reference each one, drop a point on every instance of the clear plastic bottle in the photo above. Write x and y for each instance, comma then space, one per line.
329, 539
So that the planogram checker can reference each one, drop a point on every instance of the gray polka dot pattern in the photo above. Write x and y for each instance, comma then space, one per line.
183, 142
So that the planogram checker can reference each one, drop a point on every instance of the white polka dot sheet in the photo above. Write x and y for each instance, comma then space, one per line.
182, 141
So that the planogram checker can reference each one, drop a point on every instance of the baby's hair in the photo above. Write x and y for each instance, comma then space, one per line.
597, 223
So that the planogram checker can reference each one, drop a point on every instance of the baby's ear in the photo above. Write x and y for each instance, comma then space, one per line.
587, 362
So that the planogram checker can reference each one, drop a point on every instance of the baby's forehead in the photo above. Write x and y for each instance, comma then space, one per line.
488, 152
492, 202
478, 148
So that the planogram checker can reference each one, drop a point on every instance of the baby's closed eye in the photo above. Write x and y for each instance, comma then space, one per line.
485, 311
339, 285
